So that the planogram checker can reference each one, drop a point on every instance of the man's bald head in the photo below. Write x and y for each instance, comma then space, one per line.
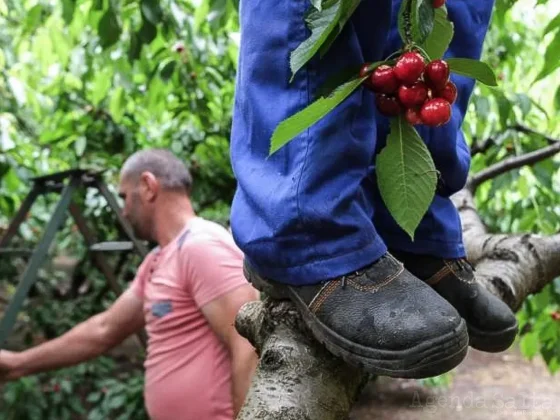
170, 171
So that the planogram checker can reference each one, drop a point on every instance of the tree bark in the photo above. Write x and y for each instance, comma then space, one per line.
510, 266
298, 379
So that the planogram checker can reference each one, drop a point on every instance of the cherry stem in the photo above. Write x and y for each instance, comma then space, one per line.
424, 53
398, 52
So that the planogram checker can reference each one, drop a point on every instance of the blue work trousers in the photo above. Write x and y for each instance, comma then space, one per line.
311, 211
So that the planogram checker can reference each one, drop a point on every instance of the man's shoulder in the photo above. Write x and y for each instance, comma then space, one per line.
207, 240
204, 232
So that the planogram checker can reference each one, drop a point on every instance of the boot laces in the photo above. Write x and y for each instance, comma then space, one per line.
355, 274
462, 263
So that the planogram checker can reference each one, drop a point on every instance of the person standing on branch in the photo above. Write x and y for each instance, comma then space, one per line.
310, 220
186, 293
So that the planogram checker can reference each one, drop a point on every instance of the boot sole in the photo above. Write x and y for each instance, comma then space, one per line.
492, 341
430, 358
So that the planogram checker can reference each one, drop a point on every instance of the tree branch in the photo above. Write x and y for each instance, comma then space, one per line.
484, 145
528, 130
510, 266
512, 163
481, 147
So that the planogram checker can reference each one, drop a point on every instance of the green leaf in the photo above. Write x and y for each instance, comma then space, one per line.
401, 25
291, 127
80, 145
68, 7
11, 181
18, 90
557, 99
524, 103
135, 47
151, 10
317, 4
406, 175
347, 11
117, 106
32, 19
341, 77
552, 25
321, 23
94, 397
201, 13
473, 68
482, 107
551, 62
421, 14
439, 39
504, 108
109, 29
117, 401
167, 70
101, 85
147, 32
529, 344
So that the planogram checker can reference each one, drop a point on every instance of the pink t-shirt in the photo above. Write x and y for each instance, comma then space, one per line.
188, 373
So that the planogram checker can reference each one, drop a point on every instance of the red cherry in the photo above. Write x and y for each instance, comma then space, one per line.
449, 92
437, 74
413, 116
383, 80
413, 96
438, 3
409, 67
555, 316
388, 105
179, 47
364, 70
435, 112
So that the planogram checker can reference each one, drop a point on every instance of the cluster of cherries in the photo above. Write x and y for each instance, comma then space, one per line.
420, 91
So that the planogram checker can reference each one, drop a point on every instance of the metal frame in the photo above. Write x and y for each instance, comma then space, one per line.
76, 179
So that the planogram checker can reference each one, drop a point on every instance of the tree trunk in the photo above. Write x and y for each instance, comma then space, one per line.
298, 379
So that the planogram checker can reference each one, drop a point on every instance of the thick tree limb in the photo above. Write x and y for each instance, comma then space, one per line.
513, 163
296, 379
510, 266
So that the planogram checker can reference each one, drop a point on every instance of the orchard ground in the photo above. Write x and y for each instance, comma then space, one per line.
485, 386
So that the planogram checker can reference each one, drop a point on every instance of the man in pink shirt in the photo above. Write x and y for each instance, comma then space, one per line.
186, 294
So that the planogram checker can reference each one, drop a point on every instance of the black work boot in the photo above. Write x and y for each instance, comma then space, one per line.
491, 323
380, 318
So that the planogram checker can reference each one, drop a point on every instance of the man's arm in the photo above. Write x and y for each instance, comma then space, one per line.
85, 341
221, 313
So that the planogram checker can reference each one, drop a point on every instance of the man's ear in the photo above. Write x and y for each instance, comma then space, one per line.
149, 186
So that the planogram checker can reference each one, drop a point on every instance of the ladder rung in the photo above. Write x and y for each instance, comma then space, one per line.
15, 252
112, 246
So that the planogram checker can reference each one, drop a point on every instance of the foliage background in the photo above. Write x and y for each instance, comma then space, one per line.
87, 82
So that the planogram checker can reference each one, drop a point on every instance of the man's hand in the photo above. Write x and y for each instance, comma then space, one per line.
9, 368
221, 314
85, 341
